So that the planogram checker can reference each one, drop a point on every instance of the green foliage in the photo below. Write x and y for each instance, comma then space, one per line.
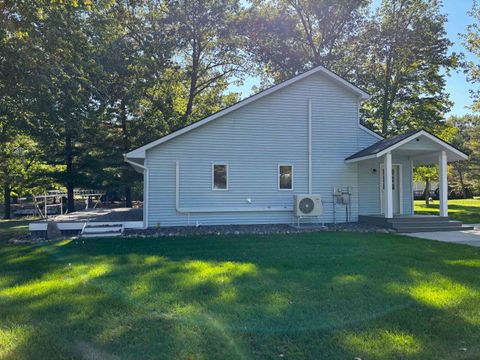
404, 54
466, 174
429, 173
472, 44
23, 169
287, 37
399, 54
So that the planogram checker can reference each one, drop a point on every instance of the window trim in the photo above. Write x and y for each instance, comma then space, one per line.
278, 177
213, 175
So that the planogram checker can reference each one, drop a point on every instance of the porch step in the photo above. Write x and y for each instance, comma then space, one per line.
431, 228
100, 234
408, 224
451, 223
101, 230
419, 219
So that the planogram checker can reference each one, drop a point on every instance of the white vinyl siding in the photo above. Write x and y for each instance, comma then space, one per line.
254, 140
369, 185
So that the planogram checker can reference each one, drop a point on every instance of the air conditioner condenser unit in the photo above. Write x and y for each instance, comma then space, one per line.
308, 205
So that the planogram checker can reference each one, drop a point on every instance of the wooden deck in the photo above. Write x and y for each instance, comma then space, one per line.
74, 223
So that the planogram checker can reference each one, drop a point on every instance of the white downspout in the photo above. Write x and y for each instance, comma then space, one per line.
177, 186
309, 146
145, 191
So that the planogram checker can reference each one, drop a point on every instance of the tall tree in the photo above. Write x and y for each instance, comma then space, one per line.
16, 75
472, 44
404, 54
64, 90
290, 36
429, 173
466, 138
133, 48
208, 53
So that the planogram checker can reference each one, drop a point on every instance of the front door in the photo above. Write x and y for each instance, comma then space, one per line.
396, 188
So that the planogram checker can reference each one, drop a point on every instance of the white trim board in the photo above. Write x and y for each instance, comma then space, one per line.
140, 152
399, 185
78, 225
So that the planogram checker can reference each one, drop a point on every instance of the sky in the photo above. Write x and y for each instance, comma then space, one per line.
457, 85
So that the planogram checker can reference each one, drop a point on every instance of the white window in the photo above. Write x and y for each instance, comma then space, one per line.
219, 176
285, 177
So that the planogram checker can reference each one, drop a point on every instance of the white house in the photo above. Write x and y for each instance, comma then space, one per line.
246, 163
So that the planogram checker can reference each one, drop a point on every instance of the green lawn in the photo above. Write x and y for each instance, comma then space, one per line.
11, 228
467, 211
309, 296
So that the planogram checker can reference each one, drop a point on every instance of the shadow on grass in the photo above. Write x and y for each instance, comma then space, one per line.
327, 295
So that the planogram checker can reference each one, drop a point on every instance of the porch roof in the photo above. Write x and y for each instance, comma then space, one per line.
419, 145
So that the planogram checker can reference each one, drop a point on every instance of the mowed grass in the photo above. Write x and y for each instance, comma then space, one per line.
308, 296
465, 210
12, 228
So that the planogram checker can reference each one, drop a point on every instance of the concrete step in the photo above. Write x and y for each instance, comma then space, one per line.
101, 234
433, 219
429, 224
102, 229
414, 229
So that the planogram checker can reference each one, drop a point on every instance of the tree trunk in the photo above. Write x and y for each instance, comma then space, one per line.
426, 192
462, 183
128, 196
70, 175
126, 148
191, 96
7, 202
196, 51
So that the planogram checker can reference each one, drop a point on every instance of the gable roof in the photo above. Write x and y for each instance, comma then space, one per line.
139, 153
383, 146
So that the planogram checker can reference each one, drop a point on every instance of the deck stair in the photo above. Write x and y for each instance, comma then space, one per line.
101, 230
417, 223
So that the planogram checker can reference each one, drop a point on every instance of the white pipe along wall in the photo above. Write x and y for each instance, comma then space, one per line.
309, 146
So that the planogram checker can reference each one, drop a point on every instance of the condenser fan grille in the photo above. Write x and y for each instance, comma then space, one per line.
306, 205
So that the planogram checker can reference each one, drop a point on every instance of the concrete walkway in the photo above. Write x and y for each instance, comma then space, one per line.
467, 237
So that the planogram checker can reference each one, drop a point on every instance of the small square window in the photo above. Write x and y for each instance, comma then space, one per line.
285, 177
220, 177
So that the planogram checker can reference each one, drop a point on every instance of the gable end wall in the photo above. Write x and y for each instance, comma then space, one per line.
254, 140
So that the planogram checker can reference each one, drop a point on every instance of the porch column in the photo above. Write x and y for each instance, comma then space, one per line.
387, 165
443, 183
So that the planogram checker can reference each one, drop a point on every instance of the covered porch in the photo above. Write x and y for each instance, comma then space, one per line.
385, 172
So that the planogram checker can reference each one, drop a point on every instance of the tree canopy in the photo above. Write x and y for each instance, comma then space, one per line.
83, 82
